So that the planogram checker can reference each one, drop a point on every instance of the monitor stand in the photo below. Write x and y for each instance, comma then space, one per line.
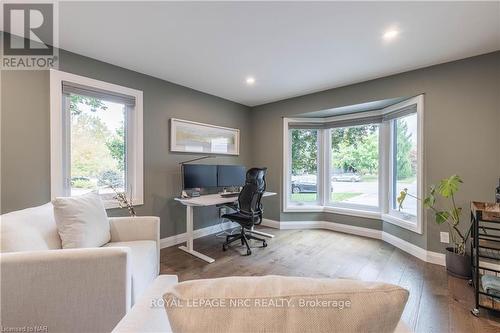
192, 194
231, 189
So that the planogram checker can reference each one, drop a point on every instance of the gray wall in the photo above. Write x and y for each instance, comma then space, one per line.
462, 134
25, 150
25, 147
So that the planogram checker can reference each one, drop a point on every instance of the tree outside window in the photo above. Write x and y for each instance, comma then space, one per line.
97, 144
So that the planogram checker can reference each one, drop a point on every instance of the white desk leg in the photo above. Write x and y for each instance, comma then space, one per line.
265, 234
189, 242
189, 227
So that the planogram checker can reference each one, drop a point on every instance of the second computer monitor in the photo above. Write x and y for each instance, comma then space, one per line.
230, 175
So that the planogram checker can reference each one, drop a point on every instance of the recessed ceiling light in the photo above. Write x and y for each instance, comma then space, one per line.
250, 80
390, 34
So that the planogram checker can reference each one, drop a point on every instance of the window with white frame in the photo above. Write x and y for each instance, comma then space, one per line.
354, 166
357, 164
96, 138
405, 164
303, 171
403, 161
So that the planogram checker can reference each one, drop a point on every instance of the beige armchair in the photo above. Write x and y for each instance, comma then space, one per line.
73, 290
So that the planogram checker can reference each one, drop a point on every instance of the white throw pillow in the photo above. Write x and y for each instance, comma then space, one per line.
81, 221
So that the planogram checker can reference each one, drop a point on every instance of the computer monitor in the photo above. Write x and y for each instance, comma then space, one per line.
230, 175
199, 176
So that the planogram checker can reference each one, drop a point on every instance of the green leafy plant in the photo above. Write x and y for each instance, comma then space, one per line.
447, 188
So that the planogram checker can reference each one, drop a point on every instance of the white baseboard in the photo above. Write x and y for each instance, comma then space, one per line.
270, 223
416, 251
436, 258
181, 238
349, 229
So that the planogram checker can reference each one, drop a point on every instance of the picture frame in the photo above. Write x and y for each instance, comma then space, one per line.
200, 138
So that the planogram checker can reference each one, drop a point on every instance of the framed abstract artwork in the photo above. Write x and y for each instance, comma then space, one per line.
192, 137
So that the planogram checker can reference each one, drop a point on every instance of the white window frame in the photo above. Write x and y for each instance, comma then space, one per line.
390, 215
383, 211
59, 144
347, 207
287, 185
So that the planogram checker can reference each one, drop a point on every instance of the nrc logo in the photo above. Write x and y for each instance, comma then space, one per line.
34, 23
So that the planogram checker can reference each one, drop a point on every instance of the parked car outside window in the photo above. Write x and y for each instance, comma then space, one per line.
346, 177
304, 184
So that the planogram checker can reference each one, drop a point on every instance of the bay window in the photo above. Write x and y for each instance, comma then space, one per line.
357, 164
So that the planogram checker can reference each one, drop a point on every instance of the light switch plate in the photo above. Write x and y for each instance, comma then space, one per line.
445, 237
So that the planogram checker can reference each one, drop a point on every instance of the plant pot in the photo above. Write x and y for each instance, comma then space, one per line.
457, 265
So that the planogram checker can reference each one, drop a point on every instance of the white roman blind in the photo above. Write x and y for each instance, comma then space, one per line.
402, 112
354, 121
336, 123
79, 89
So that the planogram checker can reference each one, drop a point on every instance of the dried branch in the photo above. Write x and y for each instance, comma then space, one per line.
123, 201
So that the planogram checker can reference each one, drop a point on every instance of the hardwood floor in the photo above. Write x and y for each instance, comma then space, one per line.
437, 303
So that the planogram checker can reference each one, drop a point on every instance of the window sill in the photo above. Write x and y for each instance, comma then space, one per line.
410, 225
333, 210
353, 212
111, 204
303, 209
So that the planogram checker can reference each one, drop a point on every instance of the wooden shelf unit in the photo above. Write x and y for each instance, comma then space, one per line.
485, 252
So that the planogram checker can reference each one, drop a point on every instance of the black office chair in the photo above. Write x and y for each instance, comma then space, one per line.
249, 211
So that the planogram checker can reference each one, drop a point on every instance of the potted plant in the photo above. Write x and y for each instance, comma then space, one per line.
458, 262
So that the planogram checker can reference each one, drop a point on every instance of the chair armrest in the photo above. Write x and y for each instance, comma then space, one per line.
69, 290
126, 229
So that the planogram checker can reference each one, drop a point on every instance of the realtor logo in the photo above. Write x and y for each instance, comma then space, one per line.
29, 36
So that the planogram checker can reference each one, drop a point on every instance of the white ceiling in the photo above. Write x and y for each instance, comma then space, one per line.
290, 48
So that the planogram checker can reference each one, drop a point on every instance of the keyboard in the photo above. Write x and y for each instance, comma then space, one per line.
230, 195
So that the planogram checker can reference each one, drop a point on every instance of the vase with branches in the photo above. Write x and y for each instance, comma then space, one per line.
123, 201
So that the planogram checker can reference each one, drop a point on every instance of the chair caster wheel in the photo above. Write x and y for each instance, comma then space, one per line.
470, 282
264, 244
475, 312
249, 252
224, 247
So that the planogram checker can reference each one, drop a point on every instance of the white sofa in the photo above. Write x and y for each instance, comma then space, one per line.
73, 290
